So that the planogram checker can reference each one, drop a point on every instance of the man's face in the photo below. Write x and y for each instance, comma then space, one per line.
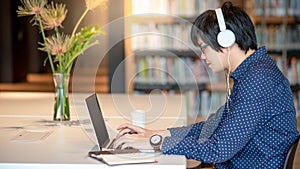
216, 61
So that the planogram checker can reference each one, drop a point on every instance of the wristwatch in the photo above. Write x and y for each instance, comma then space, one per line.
155, 141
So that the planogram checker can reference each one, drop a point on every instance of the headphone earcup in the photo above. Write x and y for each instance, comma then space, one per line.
226, 38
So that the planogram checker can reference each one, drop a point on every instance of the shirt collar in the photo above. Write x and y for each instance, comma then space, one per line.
255, 57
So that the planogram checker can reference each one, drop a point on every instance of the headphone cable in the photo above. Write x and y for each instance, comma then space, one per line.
228, 92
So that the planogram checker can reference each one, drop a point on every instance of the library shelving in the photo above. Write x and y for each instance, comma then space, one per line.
159, 52
278, 28
160, 56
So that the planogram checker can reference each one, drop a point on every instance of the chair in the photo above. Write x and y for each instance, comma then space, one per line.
289, 160
193, 164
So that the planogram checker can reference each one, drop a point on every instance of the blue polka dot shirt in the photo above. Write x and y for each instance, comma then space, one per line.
257, 130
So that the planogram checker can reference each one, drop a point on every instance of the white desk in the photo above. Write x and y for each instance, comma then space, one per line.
69, 142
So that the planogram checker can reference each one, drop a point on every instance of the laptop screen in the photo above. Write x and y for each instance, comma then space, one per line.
97, 120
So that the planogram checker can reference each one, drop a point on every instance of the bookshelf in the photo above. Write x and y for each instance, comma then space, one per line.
159, 53
278, 28
160, 56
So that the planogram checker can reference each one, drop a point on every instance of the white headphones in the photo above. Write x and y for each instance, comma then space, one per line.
225, 37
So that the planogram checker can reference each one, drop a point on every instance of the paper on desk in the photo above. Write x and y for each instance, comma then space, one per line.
31, 136
121, 159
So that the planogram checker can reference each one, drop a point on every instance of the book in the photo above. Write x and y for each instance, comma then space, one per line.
123, 159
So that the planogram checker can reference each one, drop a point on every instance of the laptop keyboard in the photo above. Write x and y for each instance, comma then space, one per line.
111, 146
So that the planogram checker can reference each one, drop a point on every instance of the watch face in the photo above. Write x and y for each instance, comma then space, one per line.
156, 139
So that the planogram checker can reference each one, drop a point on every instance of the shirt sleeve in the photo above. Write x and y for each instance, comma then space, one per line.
187, 131
250, 100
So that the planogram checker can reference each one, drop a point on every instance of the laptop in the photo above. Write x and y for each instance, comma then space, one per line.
107, 154
104, 143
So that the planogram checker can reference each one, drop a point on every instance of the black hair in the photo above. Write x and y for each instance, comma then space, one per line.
236, 19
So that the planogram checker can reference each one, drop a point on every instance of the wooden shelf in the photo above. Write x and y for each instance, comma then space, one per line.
44, 83
274, 20
295, 88
292, 49
167, 53
149, 87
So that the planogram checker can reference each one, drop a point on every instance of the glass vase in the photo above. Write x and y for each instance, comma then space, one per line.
61, 102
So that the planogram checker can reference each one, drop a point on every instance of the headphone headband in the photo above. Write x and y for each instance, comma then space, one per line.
221, 20
225, 37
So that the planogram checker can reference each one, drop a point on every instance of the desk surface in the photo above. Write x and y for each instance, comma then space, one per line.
68, 142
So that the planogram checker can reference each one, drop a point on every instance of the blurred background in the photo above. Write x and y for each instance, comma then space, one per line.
147, 48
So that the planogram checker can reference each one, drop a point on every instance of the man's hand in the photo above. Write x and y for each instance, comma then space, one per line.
133, 129
133, 140
134, 136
